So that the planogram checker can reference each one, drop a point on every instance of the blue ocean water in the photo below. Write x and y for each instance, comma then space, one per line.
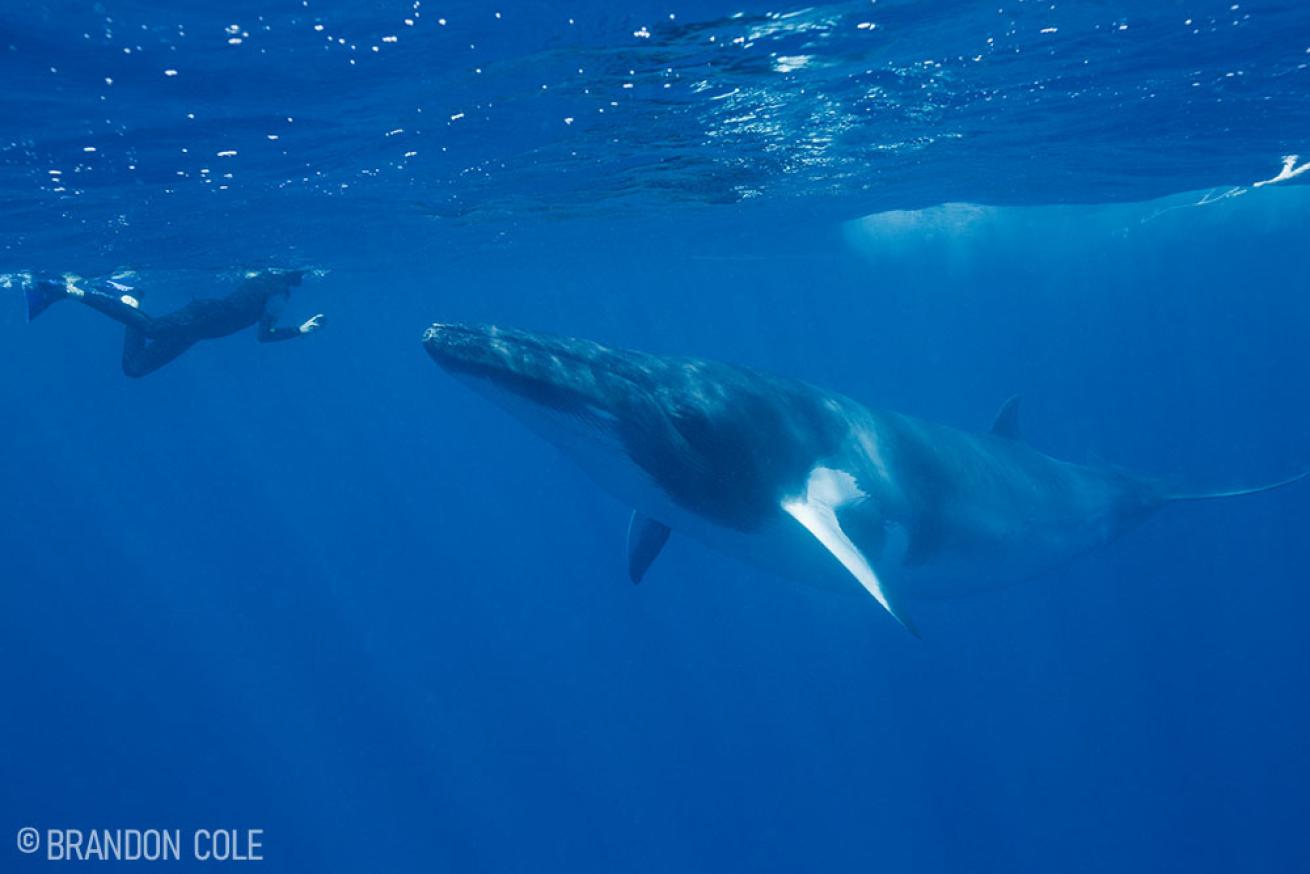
319, 589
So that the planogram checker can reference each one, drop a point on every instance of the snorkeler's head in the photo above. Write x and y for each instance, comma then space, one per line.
276, 277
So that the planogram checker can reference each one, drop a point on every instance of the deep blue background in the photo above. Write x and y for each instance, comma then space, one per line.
320, 589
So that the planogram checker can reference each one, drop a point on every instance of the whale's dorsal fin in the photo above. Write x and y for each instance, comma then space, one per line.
826, 491
1006, 423
646, 538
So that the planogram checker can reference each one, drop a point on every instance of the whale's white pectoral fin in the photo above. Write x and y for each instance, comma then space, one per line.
816, 510
646, 538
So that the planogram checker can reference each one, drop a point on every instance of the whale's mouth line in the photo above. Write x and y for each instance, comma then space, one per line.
545, 370
446, 339
542, 390
539, 372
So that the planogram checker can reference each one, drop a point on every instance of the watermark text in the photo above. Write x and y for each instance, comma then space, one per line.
142, 844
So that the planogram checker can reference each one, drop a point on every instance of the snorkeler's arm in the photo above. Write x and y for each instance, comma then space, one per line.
269, 332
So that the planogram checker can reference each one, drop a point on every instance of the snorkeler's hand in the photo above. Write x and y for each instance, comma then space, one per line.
312, 325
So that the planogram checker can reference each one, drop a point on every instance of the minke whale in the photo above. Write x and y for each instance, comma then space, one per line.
798, 480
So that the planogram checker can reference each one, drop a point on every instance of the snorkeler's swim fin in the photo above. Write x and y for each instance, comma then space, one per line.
42, 293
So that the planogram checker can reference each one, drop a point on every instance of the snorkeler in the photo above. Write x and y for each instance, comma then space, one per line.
150, 342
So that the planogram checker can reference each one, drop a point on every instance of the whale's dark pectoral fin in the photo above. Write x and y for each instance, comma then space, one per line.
1006, 423
827, 490
646, 538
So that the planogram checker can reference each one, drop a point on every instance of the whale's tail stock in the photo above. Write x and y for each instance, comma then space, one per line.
1234, 493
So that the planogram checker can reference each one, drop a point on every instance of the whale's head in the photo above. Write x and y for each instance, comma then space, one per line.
716, 440
561, 383
581, 396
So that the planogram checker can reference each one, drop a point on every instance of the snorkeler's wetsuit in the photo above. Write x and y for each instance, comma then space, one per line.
150, 342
